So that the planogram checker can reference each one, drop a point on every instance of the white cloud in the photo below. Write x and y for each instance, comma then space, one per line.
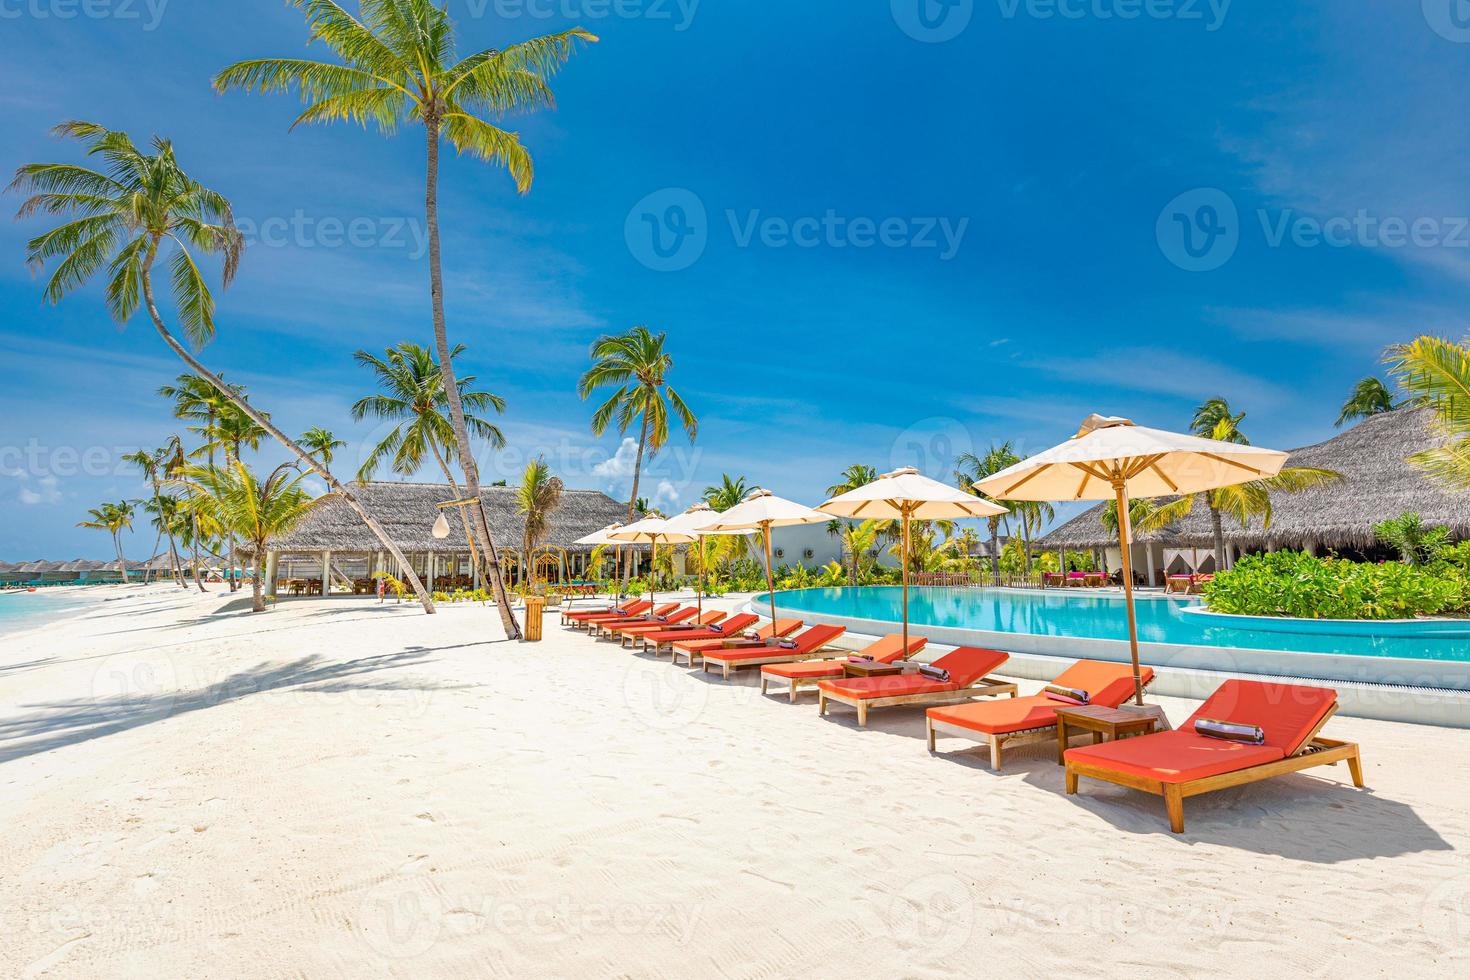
620, 466
46, 491
666, 497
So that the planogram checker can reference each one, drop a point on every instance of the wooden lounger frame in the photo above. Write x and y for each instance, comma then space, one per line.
1314, 751
997, 740
797, 683
727, 664
985, 687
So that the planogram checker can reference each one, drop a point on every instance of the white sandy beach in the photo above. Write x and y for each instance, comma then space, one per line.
346, 789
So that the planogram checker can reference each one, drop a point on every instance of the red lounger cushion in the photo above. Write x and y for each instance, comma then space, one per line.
1109, 684
966, 665
813, 639
1287, 713
886, 651
1174, 757
805, 669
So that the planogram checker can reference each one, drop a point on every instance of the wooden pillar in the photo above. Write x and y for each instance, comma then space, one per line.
326, 573
1148, 551
272, 561
430, 584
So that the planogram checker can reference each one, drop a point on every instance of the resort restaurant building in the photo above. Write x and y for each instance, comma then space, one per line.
1377, 483
333, 545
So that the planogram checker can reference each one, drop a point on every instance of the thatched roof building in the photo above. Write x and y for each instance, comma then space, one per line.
1377, 484
407, 512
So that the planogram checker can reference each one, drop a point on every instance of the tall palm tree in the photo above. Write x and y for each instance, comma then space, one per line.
1241, 502
1211, 413
1370, 397
144, 204
168, 518
256, 511
1437, 372
114, 519
399, 65
321, 443
970, 469
232, 432
412, 394
1034, 515
856, 475
638, 365
151, 465
537, 498
729, 492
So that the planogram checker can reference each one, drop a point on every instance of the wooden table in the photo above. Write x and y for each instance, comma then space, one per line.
873, 668
1101, 721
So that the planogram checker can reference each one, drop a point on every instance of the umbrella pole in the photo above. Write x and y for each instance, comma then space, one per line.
770, 582
699, 543
904, 562
652, 573
1123, 543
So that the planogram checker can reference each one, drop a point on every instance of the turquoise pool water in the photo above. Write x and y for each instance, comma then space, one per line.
1165, 621
20, 611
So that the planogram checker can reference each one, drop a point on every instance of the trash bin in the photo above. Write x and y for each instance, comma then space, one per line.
535, 605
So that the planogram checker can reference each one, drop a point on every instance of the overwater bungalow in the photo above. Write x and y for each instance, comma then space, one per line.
1338, 517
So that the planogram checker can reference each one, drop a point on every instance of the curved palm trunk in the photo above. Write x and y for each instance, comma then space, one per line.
266, 424
633, 497
122, 566
173, 555
451, 384
194, 544
995, 550
1219, 530
469, 534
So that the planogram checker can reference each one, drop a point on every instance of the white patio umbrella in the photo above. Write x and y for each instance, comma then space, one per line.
603, 537
906, 495
654, 531
761, 511
696, 521
1113, 459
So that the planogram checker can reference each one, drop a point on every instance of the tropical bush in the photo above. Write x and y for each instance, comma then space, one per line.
1289, 583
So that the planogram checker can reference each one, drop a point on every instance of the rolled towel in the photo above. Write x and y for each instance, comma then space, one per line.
716, 628
752, 634
1067, 695
859, 660
1230, 731
934, 673
787, 644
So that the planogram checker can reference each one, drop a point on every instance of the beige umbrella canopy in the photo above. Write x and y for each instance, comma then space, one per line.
761, 511
906, 495
696, 521
1113, 459
654, 531
603, 537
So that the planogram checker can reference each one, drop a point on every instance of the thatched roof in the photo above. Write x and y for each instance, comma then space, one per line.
407, 512
1377, 484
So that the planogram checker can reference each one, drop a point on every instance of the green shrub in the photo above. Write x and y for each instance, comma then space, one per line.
1289, 583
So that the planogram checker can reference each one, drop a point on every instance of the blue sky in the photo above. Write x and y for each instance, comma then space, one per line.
877, 242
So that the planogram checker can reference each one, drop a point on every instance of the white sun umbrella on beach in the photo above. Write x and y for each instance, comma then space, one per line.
696, 521
603, 537
907, 495
761, 511
654, 531
1113, 459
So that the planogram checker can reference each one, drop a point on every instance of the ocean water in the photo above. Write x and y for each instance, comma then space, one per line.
1058, 613
21, 611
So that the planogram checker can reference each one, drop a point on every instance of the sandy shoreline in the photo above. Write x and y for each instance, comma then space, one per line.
343, 788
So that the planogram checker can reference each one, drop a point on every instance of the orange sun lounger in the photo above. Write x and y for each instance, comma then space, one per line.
967, 666
721, 630
647, 616
659, 618
1182, 763
808, 672
583, 615
627, 633
690, 648
1035, 716
807, 644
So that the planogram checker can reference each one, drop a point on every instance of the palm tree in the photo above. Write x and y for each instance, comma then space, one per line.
113, 518
1242, 501
1370, 397
258, 512
1208, 416
970, 470
168, 518
400, 65
730, 491
856, 475
1034, 515
1437, 372
321, 444
537, 498
638, 364
413, 396
145, 203
151, 465
232, 432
